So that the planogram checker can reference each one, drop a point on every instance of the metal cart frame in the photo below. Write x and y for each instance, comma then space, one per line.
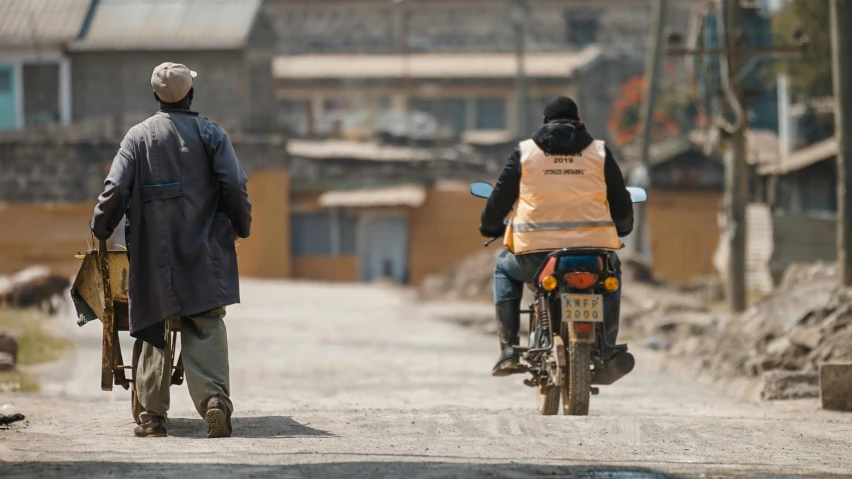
100, 291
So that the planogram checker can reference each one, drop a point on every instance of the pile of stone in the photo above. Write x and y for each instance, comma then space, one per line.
8, 352
33, 287
472, 279
783, 339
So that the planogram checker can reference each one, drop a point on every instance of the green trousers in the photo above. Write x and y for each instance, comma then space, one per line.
204, 350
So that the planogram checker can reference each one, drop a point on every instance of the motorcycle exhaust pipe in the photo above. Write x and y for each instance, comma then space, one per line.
618, 366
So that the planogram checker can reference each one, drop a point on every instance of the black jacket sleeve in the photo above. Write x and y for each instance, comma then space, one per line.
117, 189
233, 193
620, 205
505, 194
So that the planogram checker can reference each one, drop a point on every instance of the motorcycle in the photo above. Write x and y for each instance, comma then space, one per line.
567, 354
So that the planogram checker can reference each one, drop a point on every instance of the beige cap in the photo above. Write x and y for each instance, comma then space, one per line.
172, 81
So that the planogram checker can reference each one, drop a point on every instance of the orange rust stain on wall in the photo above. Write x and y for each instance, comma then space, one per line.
43, 234
444, 231
335, 269
684, 231
266, 253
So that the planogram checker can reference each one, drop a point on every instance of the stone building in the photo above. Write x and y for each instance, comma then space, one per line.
383, 26
35, 69
228, 43
342, 65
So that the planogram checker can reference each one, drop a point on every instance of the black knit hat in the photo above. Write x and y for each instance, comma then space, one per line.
561, 108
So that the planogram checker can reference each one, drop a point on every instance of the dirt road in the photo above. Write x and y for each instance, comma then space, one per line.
345, 381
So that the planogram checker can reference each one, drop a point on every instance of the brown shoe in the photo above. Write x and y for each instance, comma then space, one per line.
218, 418
154, 427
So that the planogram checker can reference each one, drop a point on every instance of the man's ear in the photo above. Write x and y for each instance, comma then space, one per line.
544, 120
157, 97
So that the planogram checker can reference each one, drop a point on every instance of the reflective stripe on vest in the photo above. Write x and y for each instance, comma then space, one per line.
558, 225
562, 202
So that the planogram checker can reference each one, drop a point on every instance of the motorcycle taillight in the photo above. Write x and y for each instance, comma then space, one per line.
581, 280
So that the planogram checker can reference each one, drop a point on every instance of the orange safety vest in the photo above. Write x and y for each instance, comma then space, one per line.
562, 202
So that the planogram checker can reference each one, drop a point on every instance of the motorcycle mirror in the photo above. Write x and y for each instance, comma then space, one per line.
481, 189
637, 195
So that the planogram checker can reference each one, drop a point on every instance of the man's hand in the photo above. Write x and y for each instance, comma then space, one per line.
492, 231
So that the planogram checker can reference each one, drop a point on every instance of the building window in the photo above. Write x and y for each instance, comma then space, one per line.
5, 81
310, 234
490, 114
313, 234
580, 30
41, 95
451, 113
295, 116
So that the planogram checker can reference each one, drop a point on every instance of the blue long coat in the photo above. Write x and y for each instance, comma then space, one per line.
179, 181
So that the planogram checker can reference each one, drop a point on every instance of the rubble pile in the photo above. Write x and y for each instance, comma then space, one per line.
33, 287
472, 279
782, 339
806, 321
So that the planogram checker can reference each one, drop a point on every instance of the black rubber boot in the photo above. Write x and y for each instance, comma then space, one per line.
508, 328
611, 320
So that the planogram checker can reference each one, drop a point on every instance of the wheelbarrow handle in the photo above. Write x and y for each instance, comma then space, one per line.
109, 337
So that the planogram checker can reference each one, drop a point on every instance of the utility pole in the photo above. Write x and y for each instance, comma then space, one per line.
736, 166
841, 46
519, 22
652, 73
735, 58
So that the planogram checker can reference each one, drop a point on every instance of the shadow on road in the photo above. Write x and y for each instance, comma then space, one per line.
248, 427
371, 470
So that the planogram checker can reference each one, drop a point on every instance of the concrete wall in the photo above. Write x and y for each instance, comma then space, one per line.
684, 232
40, 167
48, 188
113, 83
266, 253
334, 269
43, 234
444, 231
373, 26
801, 238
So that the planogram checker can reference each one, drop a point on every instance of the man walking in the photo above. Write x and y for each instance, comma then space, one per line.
183, 190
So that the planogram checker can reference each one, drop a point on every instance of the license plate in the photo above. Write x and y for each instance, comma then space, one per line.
582, 307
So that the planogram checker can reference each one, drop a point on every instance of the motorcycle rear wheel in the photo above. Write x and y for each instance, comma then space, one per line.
577, 389
547, 398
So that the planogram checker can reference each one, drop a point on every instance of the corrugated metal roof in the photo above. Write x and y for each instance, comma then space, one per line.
407, 195
40, 22
800, 158
432, 65
762, 145
662, 151
355, 150
172, 25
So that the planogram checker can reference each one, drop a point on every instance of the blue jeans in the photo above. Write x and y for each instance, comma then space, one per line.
514, 271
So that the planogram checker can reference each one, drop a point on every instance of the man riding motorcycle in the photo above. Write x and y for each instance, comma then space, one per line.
566, 191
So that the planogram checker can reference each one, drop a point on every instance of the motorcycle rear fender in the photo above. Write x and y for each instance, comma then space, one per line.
581, 338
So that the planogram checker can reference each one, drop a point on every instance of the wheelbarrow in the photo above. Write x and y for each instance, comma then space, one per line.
100, 291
